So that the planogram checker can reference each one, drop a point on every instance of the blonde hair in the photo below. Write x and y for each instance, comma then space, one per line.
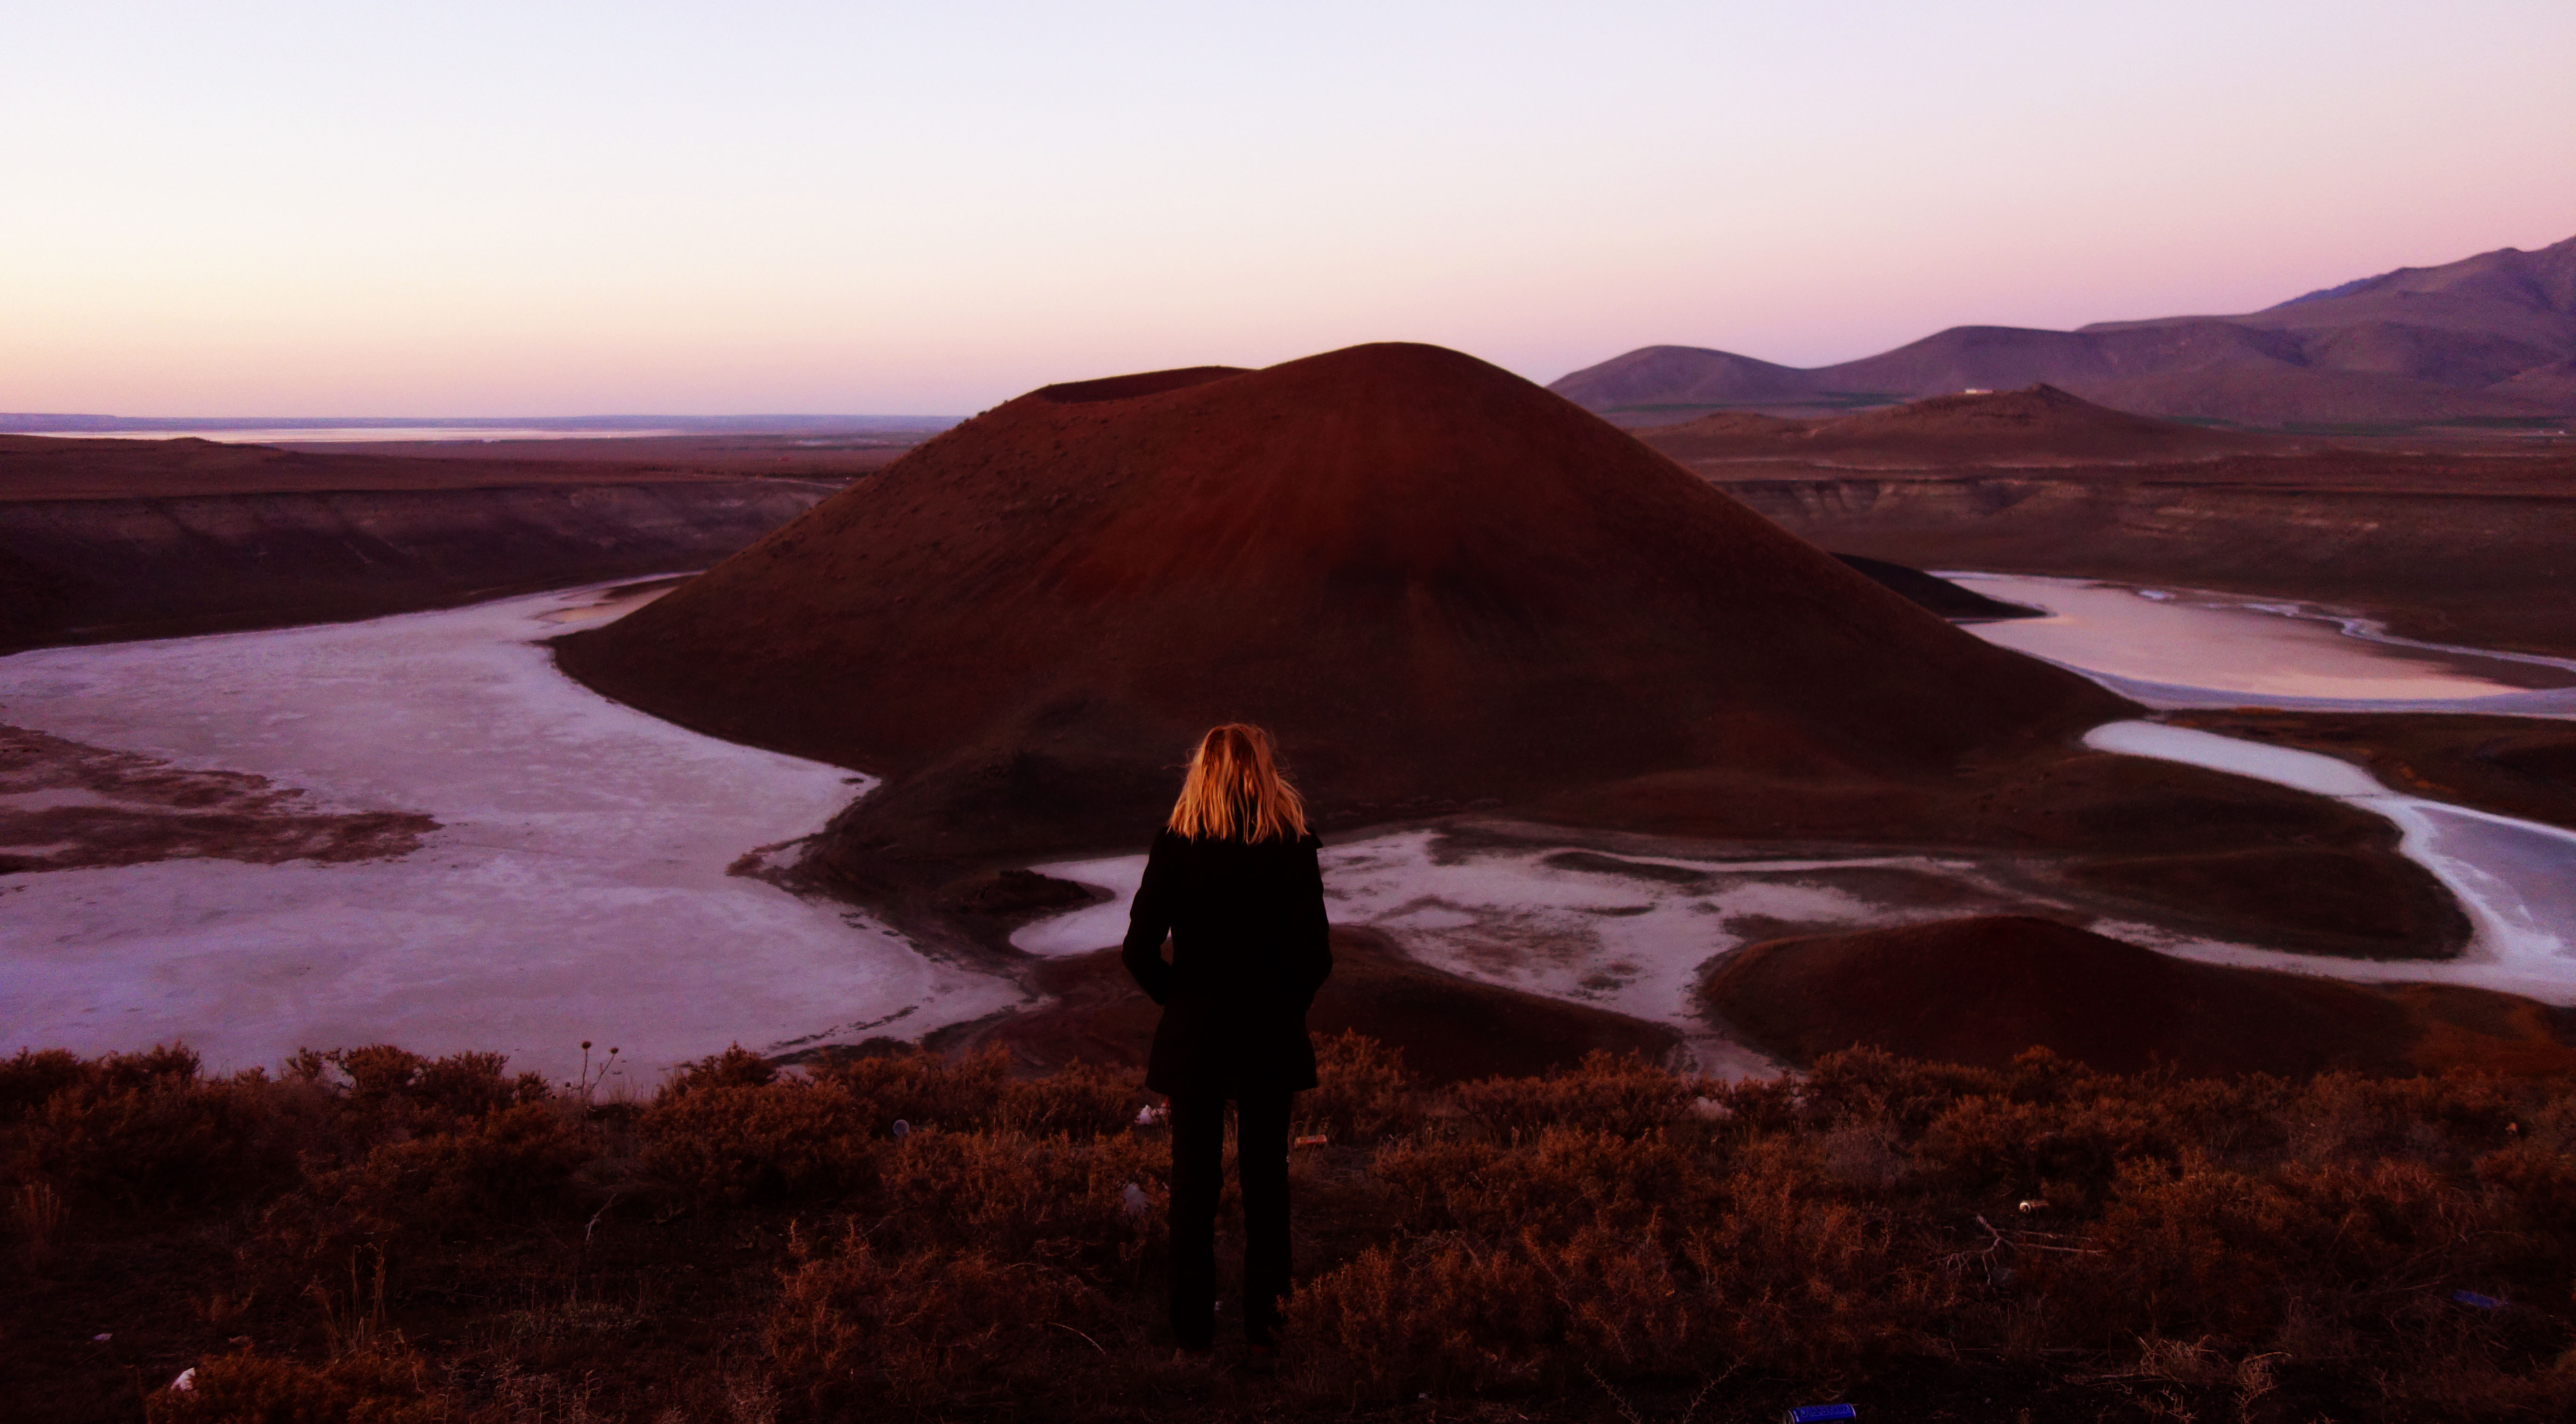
1234, 790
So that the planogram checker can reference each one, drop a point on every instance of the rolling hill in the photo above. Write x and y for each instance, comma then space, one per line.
2488, 337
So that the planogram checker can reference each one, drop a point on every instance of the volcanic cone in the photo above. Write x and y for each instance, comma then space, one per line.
1438, 583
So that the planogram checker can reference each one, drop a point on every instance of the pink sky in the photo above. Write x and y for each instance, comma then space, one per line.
488, 210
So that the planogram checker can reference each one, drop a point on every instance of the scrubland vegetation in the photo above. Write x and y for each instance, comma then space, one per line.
377, 1238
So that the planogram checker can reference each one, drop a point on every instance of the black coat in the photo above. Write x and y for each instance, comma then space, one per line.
1250, 947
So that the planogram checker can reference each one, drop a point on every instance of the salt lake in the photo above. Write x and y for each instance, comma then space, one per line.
579, 886
587, 879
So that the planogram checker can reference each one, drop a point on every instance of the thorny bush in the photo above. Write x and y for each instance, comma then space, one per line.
2249, 1249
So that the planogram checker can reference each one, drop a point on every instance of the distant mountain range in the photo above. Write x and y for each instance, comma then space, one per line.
2492, 336
59, 423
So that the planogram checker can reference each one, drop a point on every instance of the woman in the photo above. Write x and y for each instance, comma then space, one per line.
1233, 880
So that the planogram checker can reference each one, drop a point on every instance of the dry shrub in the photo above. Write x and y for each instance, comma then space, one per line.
1557, 1181
36, 1214
1626, 1309
1362, 1091
922, 1088
2430, 1119
736, 1067
394, 1090
2549, 1121
863, 1328
30, 1079
783, 1141
366, 1388
2195, 1250
1983, 1144
143, 1132
2180, 1252
1607, 1092
2537, 1187
1432, 1313
1061, 1200
1864, 1084
2252, 1249
1446, 1312
503, 1170
1080, 1099
1416, 1174
1795, 1282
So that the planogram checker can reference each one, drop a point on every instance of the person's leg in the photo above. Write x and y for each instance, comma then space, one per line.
1261, 1161
1198, 1175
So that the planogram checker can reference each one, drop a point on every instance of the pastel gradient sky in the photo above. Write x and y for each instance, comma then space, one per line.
555, 208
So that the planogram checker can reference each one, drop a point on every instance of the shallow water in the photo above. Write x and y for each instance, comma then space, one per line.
1630, 933
2516, 879
577, 887
2171, 648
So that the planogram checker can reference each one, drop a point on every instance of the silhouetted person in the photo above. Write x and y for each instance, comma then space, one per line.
1234, 881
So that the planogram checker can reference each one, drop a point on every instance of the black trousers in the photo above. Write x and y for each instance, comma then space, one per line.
1198, 1177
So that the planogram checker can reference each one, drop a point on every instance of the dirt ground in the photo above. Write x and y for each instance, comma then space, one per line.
65, 806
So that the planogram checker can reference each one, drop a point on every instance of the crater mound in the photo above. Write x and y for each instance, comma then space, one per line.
1439, 584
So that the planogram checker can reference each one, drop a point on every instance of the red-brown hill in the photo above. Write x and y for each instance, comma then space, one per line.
2038, 426
1437, 582
1981, 990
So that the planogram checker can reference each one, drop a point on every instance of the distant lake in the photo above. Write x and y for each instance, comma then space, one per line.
336, 434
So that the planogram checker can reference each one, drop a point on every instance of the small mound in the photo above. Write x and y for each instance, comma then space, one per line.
2037, 410
2355, 902
1981, 990
1451, 1029
2038, 425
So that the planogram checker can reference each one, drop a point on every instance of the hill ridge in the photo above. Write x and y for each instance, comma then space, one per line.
2416, 343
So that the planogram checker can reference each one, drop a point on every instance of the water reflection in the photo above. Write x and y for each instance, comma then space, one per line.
2187, 648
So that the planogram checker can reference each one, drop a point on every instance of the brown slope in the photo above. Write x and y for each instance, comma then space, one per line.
1440, 584
2550, 385
2295, 395
1981, 990
2038, 426
37, 467
1955, 602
